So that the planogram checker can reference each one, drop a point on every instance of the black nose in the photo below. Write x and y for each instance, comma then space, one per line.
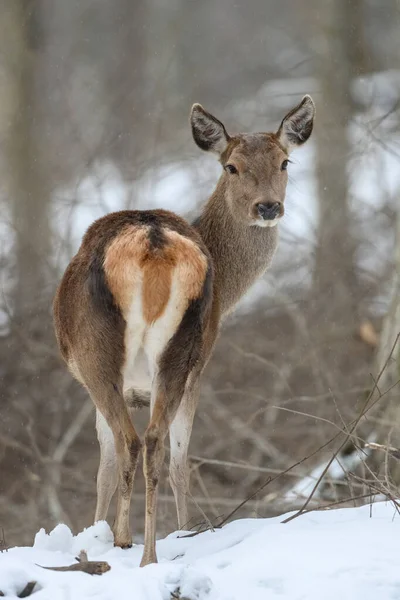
269, 210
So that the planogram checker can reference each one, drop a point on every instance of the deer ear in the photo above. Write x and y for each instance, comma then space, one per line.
208, 133
297, 126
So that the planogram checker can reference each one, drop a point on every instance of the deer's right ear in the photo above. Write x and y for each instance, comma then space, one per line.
208, 133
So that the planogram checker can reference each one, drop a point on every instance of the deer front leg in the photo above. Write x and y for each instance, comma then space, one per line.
179, 435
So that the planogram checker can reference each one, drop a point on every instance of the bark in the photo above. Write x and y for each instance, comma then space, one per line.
28, 192
339, 57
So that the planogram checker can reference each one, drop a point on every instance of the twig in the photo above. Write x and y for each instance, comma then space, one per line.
271, 479
314, 417
353, 424
380, 490
204, 526
337, 502
351, 430
240, 428
394, 452
72, 431
204, 489
201, 511
239, 506
202, 460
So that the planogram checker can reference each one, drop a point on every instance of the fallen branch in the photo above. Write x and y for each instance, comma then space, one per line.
91, 567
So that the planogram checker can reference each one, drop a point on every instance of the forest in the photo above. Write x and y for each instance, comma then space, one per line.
299, 404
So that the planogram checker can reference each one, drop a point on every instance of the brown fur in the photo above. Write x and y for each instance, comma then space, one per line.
122, 264
156, 287
191, 263
213, 263
130, 260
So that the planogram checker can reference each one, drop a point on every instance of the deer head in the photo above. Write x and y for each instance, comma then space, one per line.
255, 164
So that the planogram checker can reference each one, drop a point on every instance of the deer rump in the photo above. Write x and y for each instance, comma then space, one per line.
138, 276
153, 286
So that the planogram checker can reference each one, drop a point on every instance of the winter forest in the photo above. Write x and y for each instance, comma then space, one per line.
299, 404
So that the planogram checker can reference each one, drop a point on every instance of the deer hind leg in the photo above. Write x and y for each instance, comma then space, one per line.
115, 435
172, 371
167, 399
128, 446
110, 403
107, 475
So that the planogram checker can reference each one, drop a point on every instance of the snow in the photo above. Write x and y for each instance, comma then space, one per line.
349, 553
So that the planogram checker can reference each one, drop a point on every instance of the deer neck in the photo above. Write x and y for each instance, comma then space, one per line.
241, 253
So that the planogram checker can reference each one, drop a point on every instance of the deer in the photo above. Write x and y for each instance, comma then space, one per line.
148, 281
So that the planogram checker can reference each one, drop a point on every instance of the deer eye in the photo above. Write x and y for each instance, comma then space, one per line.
231, 169
284, 165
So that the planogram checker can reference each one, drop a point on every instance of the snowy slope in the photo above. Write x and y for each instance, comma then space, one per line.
345, 554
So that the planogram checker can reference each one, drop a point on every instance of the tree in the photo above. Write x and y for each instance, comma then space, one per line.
26, 179
338, 45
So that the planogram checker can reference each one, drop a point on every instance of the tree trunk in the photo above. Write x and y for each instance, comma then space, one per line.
27, 188
335, 282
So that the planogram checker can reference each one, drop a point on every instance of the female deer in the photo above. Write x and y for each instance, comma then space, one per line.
148, 280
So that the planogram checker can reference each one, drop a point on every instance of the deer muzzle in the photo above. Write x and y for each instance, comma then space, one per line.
269, 210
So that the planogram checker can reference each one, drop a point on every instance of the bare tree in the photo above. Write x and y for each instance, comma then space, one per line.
338, 48
28, 191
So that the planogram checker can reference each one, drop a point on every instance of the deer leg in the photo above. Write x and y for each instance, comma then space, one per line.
107, 475
181, 428
128, 447
181, 355
169, 388
127, 444
179, 435
153, 460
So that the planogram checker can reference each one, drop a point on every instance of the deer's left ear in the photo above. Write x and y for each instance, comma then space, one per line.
297, 126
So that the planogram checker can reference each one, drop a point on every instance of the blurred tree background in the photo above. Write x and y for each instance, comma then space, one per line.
94, 104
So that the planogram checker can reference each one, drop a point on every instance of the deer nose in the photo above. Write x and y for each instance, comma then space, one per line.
269, 210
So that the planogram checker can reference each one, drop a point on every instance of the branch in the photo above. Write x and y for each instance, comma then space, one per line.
349, 434
90, 567
394, 452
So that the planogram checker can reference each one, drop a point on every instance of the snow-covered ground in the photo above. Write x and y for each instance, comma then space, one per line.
345, 554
